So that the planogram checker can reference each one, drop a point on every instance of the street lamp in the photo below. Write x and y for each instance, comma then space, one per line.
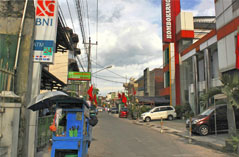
110, 66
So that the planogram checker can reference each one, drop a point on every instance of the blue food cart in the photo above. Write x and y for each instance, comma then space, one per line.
72, 139
72, 134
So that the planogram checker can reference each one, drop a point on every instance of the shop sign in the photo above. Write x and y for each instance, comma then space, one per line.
79, 76
170, 9
45, 30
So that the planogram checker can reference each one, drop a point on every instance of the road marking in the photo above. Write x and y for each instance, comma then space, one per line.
138, 140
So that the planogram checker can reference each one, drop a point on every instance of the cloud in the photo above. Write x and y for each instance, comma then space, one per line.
127, 32
129, 36
203, 8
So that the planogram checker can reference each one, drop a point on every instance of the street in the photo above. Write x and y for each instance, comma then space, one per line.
117, 137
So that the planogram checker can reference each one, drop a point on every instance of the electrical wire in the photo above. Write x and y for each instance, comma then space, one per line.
108, 69
70, 15
88, 16
97, 21
108, 80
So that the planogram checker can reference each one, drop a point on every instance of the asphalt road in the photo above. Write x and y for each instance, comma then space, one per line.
118, 137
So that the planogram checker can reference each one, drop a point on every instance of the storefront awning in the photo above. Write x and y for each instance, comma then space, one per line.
50, 82
153, 100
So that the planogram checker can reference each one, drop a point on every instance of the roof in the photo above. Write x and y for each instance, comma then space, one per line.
50, 82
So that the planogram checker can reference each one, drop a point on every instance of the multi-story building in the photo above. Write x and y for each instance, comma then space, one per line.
227, 24
184, 60
206, 47
140, 83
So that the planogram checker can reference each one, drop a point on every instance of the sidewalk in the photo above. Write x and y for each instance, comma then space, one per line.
178, 127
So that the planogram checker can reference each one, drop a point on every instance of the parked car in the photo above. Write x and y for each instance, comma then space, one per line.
100, 109
165, 112
204, 123
109, 110
123, 113
114, 110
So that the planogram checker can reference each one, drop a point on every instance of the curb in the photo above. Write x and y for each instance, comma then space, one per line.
172, 131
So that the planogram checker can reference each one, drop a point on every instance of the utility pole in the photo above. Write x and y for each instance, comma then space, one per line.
89, 61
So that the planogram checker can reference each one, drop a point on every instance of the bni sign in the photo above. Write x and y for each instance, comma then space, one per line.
45, 30
79, 76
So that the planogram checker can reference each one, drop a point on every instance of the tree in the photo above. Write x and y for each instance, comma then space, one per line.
230, 88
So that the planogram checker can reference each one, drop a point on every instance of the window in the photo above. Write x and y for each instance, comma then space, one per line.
167, 81
163, 109
166, 56
156, 110
169, 108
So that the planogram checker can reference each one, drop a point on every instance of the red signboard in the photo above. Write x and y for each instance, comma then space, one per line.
45, 8
170, 9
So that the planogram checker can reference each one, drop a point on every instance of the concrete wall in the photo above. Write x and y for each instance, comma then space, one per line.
9, 127
60, 66
10, 19
172, 75
184, 21
226, 52
225, 13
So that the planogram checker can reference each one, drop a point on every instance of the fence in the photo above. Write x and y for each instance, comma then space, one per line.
44, 133
7, 77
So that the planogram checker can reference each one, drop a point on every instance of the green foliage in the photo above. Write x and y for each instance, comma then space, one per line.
204, 98
235, 143
179, 111
144, 109
184, 111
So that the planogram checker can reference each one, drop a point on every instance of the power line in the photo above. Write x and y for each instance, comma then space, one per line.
108, 69
96, 48
79, 13
70, 15
110, 76
88, 16
108, 80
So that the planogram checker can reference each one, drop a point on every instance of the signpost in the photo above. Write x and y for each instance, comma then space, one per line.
45, 30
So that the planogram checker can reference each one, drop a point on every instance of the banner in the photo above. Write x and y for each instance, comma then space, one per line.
80, 76
45, 30
170, 9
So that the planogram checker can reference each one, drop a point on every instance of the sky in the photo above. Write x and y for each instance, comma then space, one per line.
129, 37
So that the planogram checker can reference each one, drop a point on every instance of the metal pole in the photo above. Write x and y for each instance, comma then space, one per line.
161, 123
20, 35
215, 117
190, 130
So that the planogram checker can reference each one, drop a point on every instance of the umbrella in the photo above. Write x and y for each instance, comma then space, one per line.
45, 100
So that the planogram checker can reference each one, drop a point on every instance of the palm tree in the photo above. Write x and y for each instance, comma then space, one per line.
230, 88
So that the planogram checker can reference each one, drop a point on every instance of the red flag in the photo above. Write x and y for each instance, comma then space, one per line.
237, 52
119, 96
124, 99
122, 96
95, 99
134, 91
90, 93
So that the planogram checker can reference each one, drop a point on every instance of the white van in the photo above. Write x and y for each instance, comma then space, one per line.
156, 113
